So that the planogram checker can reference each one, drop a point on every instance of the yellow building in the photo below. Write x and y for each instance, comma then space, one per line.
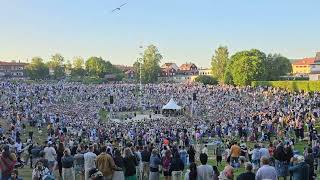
207, 72
302, 66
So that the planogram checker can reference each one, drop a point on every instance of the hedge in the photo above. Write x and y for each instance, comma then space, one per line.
309, 86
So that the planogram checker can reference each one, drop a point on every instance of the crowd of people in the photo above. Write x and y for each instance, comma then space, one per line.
77, 143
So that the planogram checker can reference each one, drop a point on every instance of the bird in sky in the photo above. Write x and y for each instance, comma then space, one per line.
118, 8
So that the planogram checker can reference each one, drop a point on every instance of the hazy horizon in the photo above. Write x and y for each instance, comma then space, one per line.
183, 31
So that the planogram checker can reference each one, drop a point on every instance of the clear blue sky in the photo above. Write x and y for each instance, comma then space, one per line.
183, 30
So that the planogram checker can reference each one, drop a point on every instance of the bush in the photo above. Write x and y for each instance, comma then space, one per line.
206, 80
291, 85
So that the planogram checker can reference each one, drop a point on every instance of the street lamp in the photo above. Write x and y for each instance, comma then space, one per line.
140, 60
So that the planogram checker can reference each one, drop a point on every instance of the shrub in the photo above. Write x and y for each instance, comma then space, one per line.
291, 85
210, 80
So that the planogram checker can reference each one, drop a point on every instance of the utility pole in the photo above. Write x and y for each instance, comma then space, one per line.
140, 60
140, 88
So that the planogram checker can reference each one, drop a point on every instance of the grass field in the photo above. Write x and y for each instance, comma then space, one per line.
40, 137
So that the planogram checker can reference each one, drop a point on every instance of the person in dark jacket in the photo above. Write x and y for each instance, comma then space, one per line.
192, 154
310, 161
216, 173
119, 162
130, 163
145, 157
299, 168
60, 151
248, 175
176, 167
281, 161
67, 165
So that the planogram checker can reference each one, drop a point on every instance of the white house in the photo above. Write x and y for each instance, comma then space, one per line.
314, 71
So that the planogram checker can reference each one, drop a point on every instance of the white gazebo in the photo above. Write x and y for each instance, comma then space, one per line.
171, 108
171, 105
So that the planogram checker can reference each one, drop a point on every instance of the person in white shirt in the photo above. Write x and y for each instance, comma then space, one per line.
266, 171
50, 154
205, 150
204, 171
89, 161
18, 146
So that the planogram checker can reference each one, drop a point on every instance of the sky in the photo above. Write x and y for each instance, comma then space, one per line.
183, 30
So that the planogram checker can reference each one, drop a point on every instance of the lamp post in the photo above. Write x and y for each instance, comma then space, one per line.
140, 60
140, 84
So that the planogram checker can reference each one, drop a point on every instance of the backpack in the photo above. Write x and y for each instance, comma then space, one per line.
166, 163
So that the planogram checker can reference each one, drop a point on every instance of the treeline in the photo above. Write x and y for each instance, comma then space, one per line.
246, 66
59, 67
241, 68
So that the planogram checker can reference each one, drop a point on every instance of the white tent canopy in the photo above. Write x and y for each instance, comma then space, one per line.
171, 105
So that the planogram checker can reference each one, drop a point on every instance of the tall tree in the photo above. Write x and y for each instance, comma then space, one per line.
37, 69
98, 67
248, 66
78, 63
78, 67
150, 64
68, 68
136, 68
219, 62
276, 66
227, 77
57, 65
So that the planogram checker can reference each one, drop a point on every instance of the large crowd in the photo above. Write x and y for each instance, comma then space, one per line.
255, 128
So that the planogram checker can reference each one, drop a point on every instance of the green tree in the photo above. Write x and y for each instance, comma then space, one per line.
150, 64
247, 66
205, 79
98, 67
276, 66
57, 65
219, 62
136, 68
227, 77
37, 69
78, 67
68, 68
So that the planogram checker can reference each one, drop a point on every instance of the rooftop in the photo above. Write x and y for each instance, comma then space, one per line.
305, 61
3, 63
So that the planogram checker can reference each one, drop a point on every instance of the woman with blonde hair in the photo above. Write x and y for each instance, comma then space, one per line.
67, 165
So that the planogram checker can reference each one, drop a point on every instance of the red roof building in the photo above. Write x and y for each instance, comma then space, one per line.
188, 69
305, 61
12, 69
